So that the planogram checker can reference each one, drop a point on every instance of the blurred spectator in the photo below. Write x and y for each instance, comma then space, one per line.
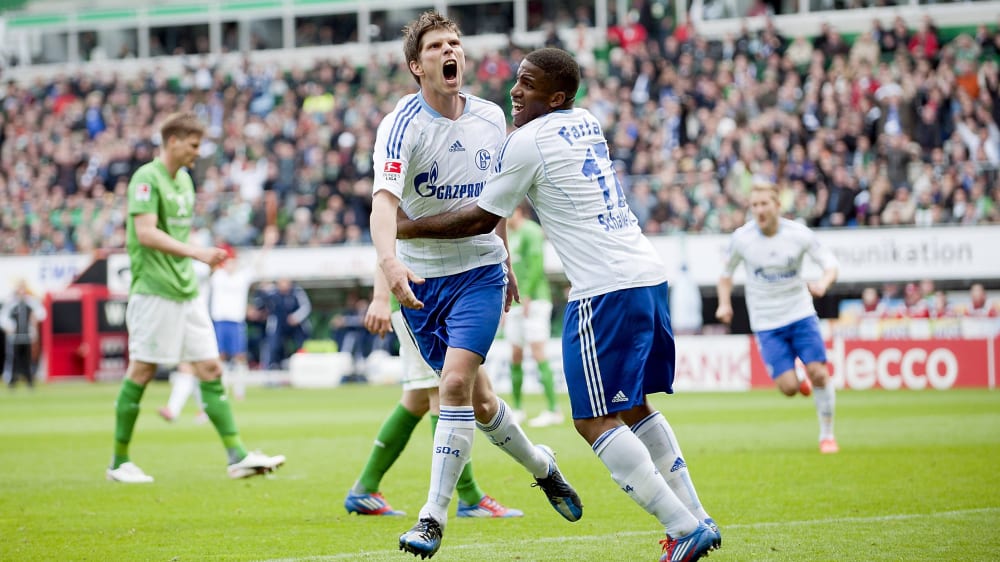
979, 305
290, 144
872, 305
940, 307
914, 305
288, 307
20, 318
348, 330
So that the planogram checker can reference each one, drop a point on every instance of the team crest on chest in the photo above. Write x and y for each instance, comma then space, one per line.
483, 159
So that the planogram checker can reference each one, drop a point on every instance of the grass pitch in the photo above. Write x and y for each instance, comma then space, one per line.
916, 479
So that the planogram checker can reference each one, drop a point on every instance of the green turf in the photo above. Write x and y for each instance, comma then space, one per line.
916, 480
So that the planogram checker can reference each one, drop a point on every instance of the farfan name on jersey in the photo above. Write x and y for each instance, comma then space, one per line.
583, 129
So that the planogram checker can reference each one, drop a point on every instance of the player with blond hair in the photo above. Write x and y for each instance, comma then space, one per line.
779, 300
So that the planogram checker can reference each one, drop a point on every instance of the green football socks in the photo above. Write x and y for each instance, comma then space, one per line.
516, 382
126, 412
217, 407
390, 442
467, 487
548, 384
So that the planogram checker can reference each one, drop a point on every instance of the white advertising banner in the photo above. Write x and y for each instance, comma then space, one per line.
42, 273
717, 363
866, 256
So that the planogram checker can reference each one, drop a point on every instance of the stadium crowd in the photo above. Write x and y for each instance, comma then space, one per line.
899, 127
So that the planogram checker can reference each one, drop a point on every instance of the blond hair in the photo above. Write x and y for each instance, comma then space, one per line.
181, 125
766, 186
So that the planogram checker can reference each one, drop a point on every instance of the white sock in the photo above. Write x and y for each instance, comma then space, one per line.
452, 449
658, 437
238, 377
826, 399
628, 460
505, 433
181, 387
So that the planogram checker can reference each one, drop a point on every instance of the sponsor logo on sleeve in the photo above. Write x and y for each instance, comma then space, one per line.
392, 170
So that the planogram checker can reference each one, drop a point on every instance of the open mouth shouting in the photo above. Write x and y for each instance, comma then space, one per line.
450, 72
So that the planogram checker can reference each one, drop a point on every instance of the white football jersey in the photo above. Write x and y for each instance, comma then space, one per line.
560, 161
230, 292
434, 165
775, 291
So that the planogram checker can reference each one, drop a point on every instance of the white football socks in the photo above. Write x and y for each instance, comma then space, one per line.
825, 399
182, 385
656, 434
452, 449
505, 433
632, 468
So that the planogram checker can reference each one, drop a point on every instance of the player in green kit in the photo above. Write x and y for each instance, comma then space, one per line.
167, 323
420, 396
529, 323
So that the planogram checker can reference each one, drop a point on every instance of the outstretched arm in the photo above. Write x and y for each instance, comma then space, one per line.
468, 221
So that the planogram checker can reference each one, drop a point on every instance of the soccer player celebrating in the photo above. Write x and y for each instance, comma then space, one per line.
617, 341
433, 153
780, 302
420, 396
167, 323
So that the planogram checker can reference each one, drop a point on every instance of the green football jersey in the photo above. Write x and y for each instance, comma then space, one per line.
152, 191
527, 256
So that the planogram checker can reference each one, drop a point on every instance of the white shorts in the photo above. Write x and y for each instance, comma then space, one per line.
536, 327
167, 332
416, 372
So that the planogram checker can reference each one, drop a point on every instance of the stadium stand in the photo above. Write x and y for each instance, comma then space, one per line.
898, 127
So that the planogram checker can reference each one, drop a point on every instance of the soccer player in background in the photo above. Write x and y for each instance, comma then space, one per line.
167, 323
529, 322
420, 395
617, 342
230, 288
433, 153
779, 301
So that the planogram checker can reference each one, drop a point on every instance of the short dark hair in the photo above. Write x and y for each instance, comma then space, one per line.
560, 68
414, 33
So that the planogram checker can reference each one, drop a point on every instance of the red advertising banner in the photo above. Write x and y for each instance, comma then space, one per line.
937, 364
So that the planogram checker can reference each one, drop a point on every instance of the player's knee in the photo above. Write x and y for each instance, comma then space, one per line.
485, 408
818, 374
453, 386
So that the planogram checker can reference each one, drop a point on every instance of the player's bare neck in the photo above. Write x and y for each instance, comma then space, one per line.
448, 105
170, 165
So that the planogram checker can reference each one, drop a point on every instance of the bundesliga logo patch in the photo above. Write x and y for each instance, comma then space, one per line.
392, 170
143, 192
